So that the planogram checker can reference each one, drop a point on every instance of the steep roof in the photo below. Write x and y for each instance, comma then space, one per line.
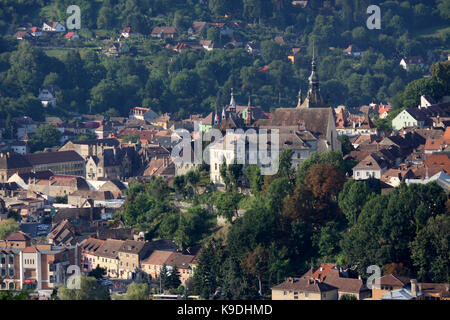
158, 257
371, 162
110, 248
348, 285
180, 260
303, 284
18, 236
53, 157
132, 246
314, 119
440, 161
91, 245
394, 280
13, 161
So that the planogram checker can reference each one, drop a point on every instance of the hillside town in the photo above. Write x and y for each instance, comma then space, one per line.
236, 151
66, 199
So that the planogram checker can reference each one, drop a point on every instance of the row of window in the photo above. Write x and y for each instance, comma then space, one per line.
3, 259
4, 270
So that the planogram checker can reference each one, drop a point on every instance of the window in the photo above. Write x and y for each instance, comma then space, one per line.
11, 272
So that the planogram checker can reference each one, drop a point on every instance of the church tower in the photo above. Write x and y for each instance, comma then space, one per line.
313, 98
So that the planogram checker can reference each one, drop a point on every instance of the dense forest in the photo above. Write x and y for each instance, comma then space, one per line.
197, 81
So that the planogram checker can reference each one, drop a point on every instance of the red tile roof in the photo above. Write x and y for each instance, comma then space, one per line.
323, 271
440, 161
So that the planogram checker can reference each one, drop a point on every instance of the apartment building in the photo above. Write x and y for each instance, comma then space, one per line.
40, 267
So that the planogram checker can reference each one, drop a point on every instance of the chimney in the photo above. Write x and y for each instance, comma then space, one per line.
414, 287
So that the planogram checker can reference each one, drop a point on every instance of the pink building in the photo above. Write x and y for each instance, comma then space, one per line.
88, 250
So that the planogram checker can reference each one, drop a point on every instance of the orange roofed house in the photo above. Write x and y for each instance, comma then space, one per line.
438, 161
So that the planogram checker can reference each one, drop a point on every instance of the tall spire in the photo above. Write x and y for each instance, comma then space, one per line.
232, 101
314, 83
313, 97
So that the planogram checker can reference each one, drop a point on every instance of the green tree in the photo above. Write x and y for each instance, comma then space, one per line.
97, 273
90, 289
430, 250
352, 199
46, 135
347, 146
7, 227
253, 174
174, 278
227, 204
137, 291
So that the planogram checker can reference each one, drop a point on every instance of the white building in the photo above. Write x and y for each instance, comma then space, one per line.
53, 27
140, 113
48, 95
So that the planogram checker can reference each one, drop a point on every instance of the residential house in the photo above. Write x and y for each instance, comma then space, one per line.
394, 177
118, 48
62, 234
353, 50
16, 240
224, 28
48, 95
139, 113
25, 126
407, 62
22, 35
438, 161
387, 283
198, 28
71, 36
304, 288
253, 48
372, 166
183, 264
36, 31
154, 263
79, 197
126, 32
131, 253
163, 32
108, 257
53, 27
89, 248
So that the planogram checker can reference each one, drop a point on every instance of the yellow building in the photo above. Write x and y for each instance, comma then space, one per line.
108, 257
304, 288
131, 253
